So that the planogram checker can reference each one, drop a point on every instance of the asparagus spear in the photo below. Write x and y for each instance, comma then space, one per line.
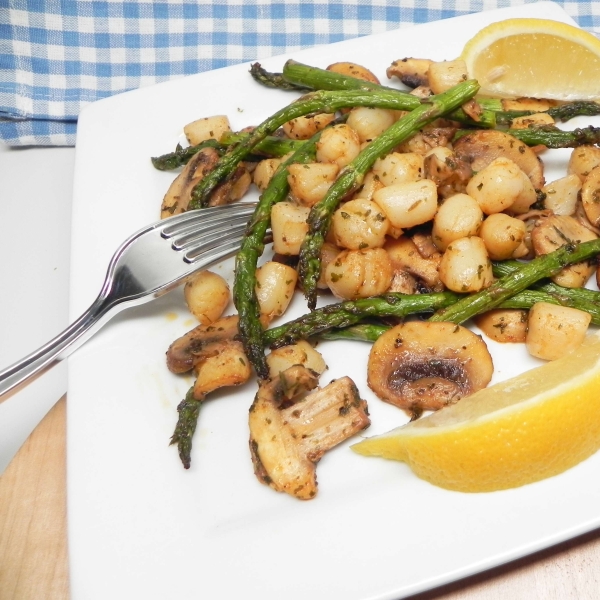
181, 155
321, 79
351, 312
549, 136
274, 80
305, 76
563, 112
581, 298
552, 137
252, 247
188, 409
353, 319
578, 108
314, 102
363, 332
352, 175
271, 146
370, 331
517, 281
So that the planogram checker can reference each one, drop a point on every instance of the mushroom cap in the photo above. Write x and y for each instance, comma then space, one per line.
421, 366
481, 147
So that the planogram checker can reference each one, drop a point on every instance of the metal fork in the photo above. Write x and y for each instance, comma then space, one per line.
147, 265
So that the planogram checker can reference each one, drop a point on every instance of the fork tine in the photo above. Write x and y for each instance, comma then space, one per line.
217, 251
205, 218
208, 232
200, 234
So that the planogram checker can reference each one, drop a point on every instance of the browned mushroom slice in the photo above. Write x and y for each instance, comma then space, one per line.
290, 431
231, 190
403, 283
581, 217
527, 104
179, 194
473, 109
555, 231
447, 171
185, 351
420, 366
590, 196
412, 72
226, 366
177, 197
405, 256
422, 91
438, 134
424, 243
480, 148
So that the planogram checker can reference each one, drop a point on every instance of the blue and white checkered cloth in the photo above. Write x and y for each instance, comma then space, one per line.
58, 55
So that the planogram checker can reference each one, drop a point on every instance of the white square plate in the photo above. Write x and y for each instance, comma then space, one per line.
140, 526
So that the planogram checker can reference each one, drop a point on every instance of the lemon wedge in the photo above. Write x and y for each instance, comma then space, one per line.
522, 430
536, 58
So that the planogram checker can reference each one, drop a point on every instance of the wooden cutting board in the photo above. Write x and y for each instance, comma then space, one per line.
33, 540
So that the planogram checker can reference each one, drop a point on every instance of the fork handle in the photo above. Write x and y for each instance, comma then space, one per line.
55, 350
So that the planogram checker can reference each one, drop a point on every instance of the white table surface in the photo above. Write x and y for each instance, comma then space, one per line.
36, 187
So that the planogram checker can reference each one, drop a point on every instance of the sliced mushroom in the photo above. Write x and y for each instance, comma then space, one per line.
290, 431
198, 343
527, 104
473, 109
590, 196
403, 283
449, 173
226, 366
405, 256
480, 148
233, 189
177, 197
431, 136
412, 72
419, 366
555, 231
300, 353
424, 243
179, 194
